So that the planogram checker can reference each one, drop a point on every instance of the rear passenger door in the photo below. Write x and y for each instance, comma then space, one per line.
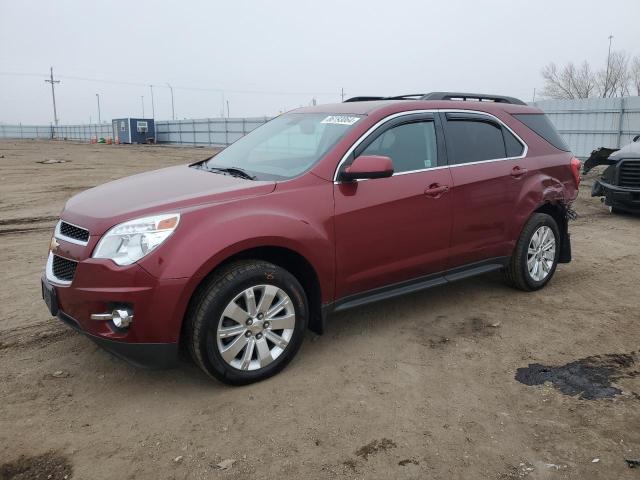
488, 171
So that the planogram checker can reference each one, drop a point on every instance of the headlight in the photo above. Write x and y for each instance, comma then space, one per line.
128, 242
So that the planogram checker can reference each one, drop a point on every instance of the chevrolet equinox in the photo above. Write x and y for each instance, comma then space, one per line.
321, 209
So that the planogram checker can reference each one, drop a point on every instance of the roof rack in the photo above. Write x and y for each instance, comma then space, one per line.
478, 97
364, 99
466, 97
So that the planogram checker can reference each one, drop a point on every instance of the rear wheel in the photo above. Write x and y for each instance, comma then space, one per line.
535, 257
248, 322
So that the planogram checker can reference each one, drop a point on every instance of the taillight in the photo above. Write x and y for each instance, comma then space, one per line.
575, 170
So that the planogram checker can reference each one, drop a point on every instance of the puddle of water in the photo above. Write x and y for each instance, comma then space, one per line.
589, 378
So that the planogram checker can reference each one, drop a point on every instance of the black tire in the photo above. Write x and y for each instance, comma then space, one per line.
516, 272
207, 308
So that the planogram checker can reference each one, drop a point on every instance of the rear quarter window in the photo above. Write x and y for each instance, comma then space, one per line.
540, 123
512, 144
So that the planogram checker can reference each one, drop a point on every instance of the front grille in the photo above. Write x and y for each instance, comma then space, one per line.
629, 173
74, 232
63, 268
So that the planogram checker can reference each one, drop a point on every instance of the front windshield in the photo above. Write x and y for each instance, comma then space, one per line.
284, 147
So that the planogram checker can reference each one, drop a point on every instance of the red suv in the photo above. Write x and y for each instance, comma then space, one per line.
321, 209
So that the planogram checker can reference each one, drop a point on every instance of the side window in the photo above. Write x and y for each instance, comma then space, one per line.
473, 141
411, 146
513, 145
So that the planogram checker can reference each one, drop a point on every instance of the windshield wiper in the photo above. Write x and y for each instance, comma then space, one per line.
233, 171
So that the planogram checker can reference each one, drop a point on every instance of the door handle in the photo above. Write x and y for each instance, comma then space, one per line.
436, 190
518, 172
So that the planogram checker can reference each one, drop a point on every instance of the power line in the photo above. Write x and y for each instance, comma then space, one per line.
140, 84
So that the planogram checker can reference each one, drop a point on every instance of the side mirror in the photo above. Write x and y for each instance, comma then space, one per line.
367, 166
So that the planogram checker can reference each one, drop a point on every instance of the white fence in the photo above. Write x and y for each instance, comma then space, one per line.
208, 131
584, 124
589, 123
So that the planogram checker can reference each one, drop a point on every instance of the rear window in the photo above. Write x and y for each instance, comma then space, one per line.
540, 123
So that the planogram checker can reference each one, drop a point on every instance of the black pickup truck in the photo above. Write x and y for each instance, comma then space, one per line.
619, 184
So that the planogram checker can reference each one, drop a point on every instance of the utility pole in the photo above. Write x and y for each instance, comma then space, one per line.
534, 94
99, 117
342, 94
173, 110
153, 107
228, 115
142, 101
53, 95
606, 78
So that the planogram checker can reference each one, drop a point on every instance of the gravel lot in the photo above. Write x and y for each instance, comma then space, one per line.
422, 386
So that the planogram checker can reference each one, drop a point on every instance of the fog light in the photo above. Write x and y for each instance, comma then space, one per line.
122, 318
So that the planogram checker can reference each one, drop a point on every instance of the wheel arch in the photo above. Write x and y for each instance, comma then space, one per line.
289, 259
558, 211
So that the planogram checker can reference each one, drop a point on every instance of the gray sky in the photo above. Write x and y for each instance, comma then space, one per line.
270, 56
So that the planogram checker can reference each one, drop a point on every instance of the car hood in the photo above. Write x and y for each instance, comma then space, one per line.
165, 190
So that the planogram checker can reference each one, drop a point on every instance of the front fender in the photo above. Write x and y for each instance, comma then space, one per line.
204, 242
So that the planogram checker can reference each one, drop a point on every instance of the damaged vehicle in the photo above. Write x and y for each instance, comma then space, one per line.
321, 209
619, 185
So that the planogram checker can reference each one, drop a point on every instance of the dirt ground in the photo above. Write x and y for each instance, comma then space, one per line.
422, 386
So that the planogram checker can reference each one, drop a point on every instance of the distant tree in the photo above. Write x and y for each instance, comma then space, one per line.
619, 78
569, 81
613, 80
635, 74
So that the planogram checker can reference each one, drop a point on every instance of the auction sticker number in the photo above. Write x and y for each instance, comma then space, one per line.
340, 120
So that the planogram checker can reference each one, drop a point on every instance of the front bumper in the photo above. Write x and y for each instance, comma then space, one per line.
146, 355
623, 198
100, 286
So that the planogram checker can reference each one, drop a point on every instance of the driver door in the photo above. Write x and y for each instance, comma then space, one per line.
398, 228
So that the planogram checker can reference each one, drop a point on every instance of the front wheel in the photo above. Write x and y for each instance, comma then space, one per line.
535, 257
248, 322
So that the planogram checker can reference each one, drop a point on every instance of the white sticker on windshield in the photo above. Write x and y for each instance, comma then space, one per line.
340, 120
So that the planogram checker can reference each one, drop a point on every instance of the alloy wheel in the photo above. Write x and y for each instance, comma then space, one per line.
255, 327
541, 253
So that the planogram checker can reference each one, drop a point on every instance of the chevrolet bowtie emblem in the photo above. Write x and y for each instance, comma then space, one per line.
53, 246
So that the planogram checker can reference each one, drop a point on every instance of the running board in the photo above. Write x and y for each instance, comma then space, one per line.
420, 283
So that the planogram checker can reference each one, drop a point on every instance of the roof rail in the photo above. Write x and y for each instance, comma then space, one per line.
478, 97
364, 99
411, 96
